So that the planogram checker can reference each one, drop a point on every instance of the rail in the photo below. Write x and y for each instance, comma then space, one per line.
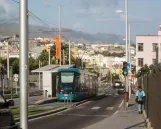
68, 100
10, 127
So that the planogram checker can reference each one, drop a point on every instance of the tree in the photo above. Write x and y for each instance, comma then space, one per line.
15, 66
33, 63
43, 58
44, 55
134, 45
143, 71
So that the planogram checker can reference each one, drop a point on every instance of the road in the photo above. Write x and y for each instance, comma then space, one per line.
79, 117
31, 100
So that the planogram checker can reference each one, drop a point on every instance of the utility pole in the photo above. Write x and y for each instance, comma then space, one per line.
49, 55
63, 57
60, 33
126, 21
157, 55
130, 58
69, 53
24, 64
39, 76
8, 65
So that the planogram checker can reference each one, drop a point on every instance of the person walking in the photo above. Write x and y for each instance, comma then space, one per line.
140, 97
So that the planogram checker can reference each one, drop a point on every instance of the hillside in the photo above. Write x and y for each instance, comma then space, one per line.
10, 29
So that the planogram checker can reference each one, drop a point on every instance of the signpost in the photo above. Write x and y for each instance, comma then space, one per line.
15, 78
128, 66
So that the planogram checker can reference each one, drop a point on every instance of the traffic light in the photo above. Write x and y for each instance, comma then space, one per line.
1, 73
125, 69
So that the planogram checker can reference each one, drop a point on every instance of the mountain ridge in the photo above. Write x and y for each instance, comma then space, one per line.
67, 34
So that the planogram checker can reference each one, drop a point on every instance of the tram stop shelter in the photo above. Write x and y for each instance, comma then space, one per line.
49, 78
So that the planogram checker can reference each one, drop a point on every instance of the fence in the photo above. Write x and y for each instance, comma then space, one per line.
33, 81
151, 83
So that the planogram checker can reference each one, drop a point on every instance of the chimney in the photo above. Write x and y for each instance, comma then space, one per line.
159, 30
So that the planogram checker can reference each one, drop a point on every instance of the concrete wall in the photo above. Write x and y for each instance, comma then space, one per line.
47, 83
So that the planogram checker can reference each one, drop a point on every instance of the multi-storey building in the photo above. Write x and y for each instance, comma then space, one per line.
146, 46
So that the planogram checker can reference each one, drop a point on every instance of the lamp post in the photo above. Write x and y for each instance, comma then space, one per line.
126, 27
49, 55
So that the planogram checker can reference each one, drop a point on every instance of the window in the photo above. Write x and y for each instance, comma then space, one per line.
67, 77
140, 46
154, 61
155, 46
140, 62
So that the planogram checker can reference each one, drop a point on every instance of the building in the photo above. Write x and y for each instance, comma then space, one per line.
146, 46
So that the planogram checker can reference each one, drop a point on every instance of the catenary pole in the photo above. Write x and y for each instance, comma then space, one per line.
24, 64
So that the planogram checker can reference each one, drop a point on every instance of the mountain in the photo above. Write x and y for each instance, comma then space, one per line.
40, 31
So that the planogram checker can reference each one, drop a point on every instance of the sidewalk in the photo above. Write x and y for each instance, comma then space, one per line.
129, 119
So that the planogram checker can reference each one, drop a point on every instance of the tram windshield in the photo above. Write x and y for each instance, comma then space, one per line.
67, 77
66, 80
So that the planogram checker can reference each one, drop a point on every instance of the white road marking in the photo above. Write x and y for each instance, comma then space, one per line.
80, 107
116, 112
95, 108
109, 108
54, 113
82, 115
121, 103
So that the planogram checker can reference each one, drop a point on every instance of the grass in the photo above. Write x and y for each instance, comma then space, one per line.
31, 111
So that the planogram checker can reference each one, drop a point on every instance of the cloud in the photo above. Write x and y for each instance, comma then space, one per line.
76, 25
122, 18
90, 10
6, 11
97, 3
105, 19
95, 6
109, 18
136, 18
47, 3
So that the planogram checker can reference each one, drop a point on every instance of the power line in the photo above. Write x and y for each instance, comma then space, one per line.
9, 21
47, 25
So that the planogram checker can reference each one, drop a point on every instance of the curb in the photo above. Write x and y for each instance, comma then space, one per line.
147, 120
43, 114
46, 101
56, 110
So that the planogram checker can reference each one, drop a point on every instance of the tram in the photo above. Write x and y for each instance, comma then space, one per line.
74, 84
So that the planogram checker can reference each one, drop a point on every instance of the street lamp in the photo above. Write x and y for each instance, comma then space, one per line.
119, 11
126, 23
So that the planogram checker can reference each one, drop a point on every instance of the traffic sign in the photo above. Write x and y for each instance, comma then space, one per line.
130, 73
16, 79
128, 66
15, 75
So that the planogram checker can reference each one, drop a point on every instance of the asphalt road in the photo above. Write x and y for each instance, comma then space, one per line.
31, 100
79, 117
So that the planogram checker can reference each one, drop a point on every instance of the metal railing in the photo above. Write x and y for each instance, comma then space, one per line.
151, 84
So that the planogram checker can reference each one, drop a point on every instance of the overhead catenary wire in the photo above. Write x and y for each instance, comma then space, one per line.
43, 22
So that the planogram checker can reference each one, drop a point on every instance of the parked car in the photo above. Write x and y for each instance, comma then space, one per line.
118, 84
6, 116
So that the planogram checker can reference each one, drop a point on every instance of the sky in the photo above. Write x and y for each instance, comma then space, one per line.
91, 16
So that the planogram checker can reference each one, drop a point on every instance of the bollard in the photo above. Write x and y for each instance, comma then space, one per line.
64, 101
126, 96
71, 99
67, 100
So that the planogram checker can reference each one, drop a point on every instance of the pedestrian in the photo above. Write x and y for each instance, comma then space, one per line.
140, 97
